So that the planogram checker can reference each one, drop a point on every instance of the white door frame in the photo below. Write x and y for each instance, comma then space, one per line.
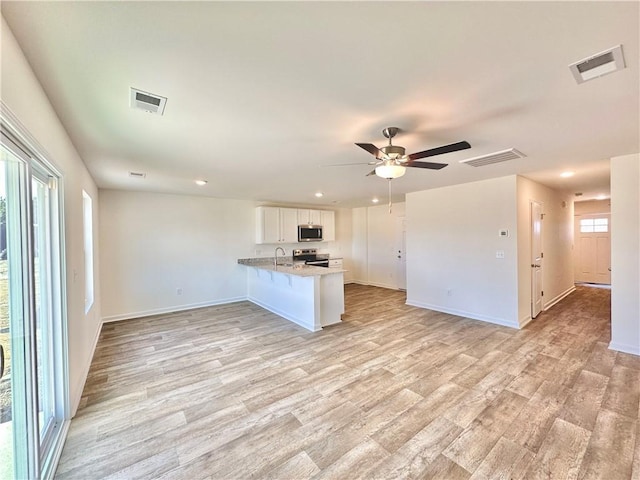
536, 217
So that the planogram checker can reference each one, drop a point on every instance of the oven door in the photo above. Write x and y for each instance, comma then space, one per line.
318, 263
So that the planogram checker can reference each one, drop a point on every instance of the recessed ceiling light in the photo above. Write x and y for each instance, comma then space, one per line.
319, 194
375, 200
567, 174
201, 182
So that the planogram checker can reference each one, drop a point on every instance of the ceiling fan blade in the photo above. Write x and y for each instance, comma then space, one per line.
454, 147
371, 148
372, 172
431, 165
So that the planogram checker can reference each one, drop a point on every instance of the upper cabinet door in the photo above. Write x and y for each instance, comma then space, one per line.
328, 222
315, 217
268, 225
289, 225
303, 216
309, 217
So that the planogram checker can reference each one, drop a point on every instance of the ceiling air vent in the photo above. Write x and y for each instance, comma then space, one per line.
137, 175
496, 157
598, 65
147, 101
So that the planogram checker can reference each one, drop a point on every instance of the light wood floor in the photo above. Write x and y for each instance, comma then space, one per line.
235, 392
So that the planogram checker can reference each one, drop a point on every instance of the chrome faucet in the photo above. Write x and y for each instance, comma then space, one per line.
275, 256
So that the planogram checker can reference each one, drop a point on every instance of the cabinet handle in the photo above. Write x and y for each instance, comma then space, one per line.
1, 361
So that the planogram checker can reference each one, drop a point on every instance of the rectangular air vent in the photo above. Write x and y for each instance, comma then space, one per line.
137, 175
497, 157
146, 101
598, 65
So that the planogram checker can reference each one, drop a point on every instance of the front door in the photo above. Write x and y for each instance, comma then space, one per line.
593, 249
536, 258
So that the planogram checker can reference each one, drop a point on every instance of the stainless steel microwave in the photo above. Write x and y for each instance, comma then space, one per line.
309, 233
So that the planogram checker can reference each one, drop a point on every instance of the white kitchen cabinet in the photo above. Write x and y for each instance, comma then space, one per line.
276, 225
328, 222
335, 263
309, 217
289, 225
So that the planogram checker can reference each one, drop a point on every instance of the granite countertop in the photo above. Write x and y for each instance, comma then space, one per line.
288, 268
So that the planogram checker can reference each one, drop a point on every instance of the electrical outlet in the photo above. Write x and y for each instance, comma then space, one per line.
499, 253
178, 291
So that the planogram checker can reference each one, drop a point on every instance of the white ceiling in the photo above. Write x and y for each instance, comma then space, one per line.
262, 96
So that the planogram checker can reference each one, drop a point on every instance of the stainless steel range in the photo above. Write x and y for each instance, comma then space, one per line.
310, 256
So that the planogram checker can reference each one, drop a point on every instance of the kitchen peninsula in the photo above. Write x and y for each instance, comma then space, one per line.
312, 297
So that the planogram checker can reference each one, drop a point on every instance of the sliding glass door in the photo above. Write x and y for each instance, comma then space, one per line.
32, 360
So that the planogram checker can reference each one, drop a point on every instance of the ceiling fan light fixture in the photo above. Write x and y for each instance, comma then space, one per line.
390, 171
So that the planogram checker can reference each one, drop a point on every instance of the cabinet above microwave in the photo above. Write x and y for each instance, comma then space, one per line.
280, 225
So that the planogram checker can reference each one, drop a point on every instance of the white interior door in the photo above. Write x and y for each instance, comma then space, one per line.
536, 258
401, 261
593, 248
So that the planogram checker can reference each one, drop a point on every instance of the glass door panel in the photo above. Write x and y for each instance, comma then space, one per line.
42, 281
15, 386
33, 380
6, 424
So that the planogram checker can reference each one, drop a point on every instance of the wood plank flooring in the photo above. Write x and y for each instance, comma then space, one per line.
394, 392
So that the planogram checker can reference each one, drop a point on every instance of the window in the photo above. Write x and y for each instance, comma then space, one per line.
87, 225
594, 225
34, 384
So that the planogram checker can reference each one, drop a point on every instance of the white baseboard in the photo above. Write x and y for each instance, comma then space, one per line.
464, 314
383, 285
374, 284
525, 321
621, 347
75, 402
175, 308
556, 299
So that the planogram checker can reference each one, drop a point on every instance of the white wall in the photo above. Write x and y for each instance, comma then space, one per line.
591, 206
557, 245
374, 242
359, 248
23, 95
152, 244
625, 254
452, 240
